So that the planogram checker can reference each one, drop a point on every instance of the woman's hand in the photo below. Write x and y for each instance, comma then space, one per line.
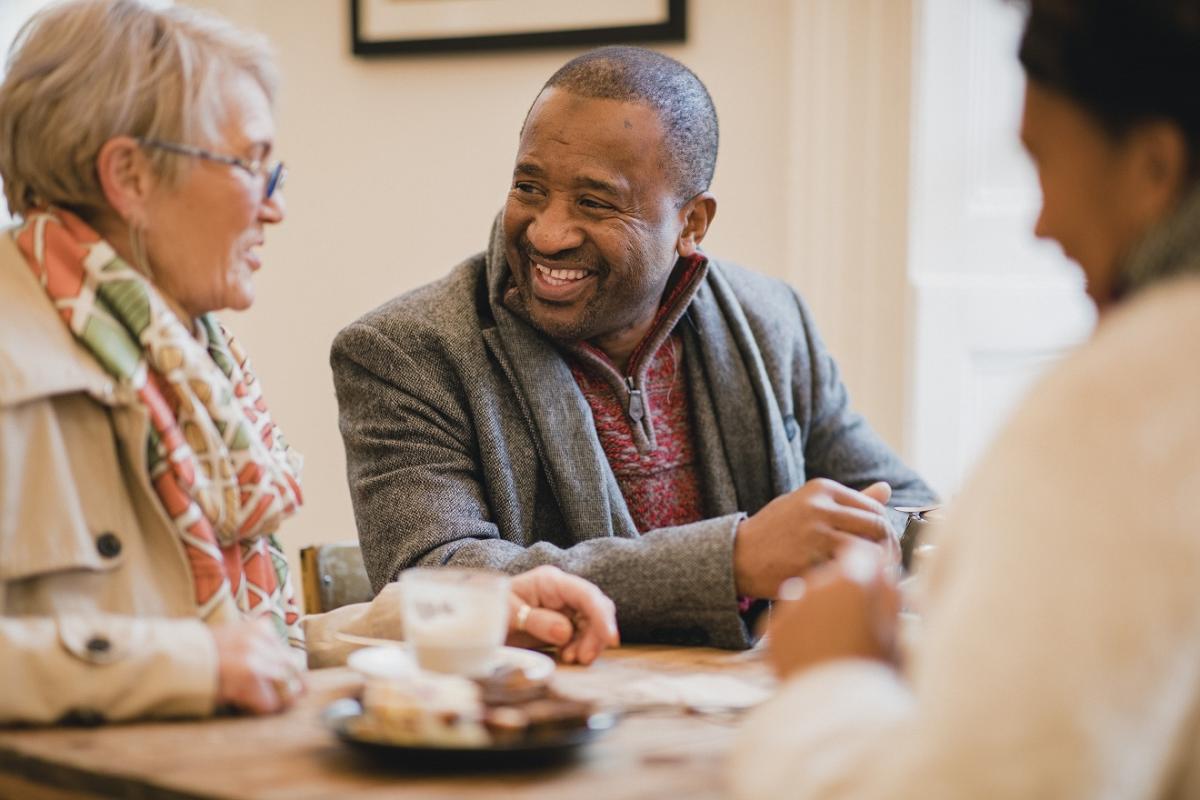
848, 608
257, 672
549, 606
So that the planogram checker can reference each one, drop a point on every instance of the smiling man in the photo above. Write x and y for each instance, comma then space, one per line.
596, 393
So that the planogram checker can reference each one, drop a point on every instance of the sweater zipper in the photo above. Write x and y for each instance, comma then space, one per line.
636, 408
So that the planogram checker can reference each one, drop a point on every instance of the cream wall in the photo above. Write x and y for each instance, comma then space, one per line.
398, 166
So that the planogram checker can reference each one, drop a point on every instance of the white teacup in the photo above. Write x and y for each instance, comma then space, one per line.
454, 619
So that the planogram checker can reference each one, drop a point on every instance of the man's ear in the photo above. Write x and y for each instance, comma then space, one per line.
1161, 165
697, 215
126, 177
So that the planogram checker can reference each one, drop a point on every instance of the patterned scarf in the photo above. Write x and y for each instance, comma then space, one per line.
219, 465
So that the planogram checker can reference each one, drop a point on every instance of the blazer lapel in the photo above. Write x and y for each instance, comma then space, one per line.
561, 422
756, 444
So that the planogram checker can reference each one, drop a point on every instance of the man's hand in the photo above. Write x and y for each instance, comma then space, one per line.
848, 608
803, 528
256, 671
549, 606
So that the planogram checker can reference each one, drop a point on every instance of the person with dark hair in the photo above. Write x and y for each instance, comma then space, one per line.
1059, 656
685, 109
596, 393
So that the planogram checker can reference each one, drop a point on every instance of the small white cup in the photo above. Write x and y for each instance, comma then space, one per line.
454, 619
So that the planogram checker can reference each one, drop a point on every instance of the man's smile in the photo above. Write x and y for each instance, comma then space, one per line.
558, 284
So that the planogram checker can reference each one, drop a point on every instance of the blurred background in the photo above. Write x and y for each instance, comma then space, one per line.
869, 157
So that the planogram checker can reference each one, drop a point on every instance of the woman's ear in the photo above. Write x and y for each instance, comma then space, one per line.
697, 214
126, 177
1160, 165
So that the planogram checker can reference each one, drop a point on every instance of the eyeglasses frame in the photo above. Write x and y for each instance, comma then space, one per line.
274, 175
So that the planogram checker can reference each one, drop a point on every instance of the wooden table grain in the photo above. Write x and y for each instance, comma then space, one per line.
665, 753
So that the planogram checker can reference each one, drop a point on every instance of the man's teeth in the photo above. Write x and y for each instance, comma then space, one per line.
559, 277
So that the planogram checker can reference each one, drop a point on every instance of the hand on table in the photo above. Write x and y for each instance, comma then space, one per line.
848, 608
257, 672
805, 527
549, 606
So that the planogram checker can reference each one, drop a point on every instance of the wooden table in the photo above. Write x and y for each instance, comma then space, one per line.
669, 753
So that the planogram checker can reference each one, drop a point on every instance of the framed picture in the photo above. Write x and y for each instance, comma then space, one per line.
389, 27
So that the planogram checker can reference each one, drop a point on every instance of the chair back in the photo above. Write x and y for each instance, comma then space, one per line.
333, 575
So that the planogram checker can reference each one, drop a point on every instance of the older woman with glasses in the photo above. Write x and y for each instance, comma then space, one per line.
142, 478
1060, 648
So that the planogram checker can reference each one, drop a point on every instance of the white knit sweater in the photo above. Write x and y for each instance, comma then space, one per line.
1060, 649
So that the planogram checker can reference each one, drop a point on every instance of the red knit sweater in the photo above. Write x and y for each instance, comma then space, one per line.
643, 417
661, 487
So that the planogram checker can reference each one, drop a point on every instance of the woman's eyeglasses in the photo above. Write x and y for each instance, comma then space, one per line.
274, 174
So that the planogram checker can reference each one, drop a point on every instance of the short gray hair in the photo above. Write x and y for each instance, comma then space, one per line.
82, 72
683, 105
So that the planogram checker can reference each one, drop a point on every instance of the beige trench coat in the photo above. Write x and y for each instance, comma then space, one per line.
97, 617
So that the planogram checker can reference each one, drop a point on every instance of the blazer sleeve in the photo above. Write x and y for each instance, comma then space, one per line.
420, 499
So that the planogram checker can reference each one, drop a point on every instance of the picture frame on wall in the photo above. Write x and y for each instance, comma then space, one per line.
396, 27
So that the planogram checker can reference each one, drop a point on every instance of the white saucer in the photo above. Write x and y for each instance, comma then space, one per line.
391, 661
395, 661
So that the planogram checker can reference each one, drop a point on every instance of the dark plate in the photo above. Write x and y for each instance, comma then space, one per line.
549, 747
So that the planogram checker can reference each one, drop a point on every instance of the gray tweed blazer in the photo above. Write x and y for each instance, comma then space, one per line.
469, 443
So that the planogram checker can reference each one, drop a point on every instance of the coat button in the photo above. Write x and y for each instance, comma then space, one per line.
98, 645
108, 545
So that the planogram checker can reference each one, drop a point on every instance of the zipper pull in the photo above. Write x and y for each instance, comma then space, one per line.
636, 409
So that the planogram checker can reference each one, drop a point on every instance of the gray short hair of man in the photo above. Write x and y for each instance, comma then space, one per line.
84, 71
682, 102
